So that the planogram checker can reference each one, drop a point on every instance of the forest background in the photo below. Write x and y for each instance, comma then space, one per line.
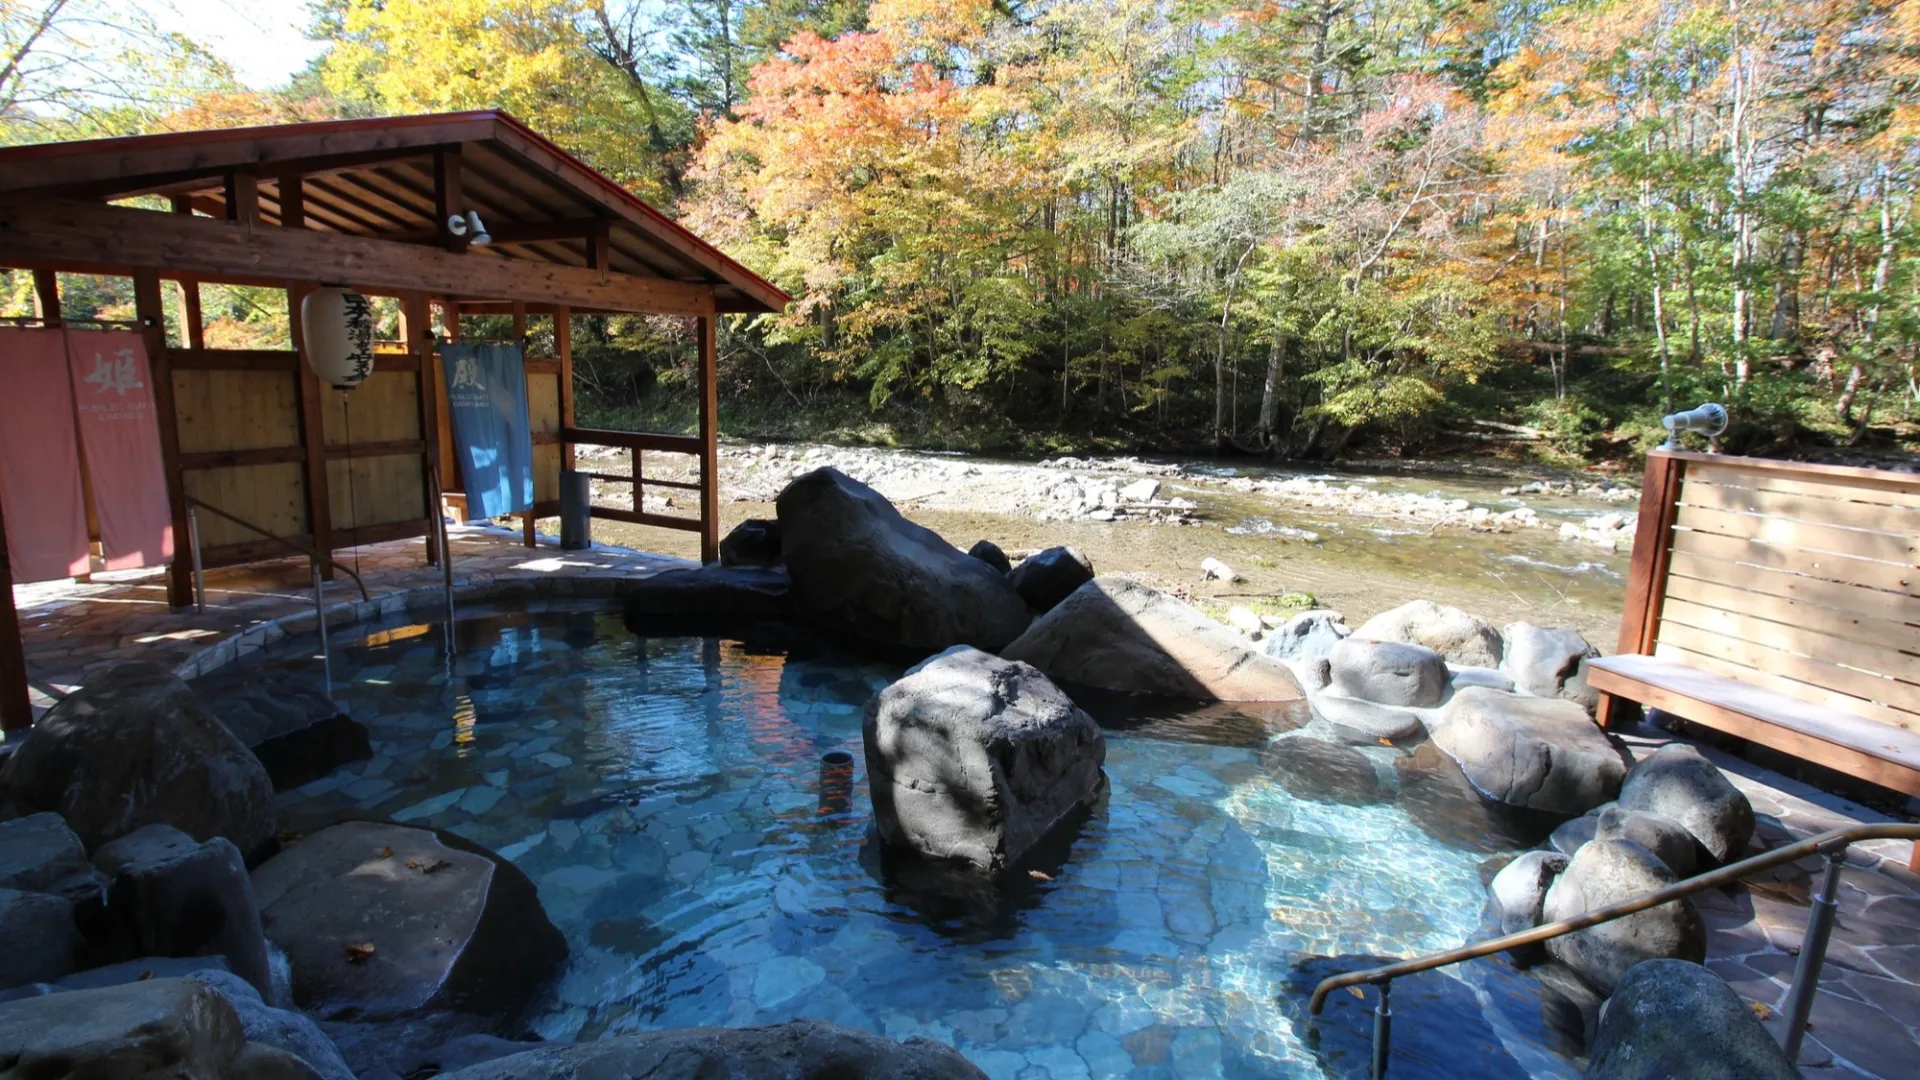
1305, 228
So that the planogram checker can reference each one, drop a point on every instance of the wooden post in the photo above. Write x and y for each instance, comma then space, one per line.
16, 704
309, 393
709, 442
1652, 552
190, 291
243, 197
520, 335
150, 310
419, 337
447, 200
563, 352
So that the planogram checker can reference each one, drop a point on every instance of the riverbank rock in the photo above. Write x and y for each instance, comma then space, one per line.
977, 758
288, 721
159, 1029
38, 940
989, 552
135, 747
380, 921
1388, 672
1550, 662
1669, 842
753, 542
1116, 634
1535, 752
1307, 635
861, 568
1316, 769
1454, 634
802, 1048
708, 598
1670, 1018
1678, 782
1519, 891
38, 853
1048, 577
1608, 871
171, 896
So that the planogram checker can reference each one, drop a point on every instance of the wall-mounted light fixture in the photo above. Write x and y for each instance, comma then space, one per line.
468, 225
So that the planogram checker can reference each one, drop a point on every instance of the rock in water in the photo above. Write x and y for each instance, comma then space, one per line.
1366, 721
38, 853
1535, 752
380, 921
861, 568
160, 1029
40, 941
753, 542
1307, 635
801, 1048
1670, 1018
973, 757
278, 1028
1550, 662
1048, 577
1316, 769
1115, 634
1519, 890
173, 897
296, 730
135, 747
1389, 672
1454, 634
1678, 782
989, 552
1609, 871
718, 599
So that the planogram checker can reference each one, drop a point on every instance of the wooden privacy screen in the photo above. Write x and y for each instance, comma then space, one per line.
543, 410
243, 449
1798, 581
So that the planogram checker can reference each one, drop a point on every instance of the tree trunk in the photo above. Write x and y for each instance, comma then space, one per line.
1270, 391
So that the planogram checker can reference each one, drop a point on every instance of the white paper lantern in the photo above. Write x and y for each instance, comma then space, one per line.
336, 326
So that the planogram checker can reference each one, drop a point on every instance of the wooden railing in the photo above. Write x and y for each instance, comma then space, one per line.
636, 443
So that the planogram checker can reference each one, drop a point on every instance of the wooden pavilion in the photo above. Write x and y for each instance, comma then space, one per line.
366, 204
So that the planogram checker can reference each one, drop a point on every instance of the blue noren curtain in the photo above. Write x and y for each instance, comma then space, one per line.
492, 436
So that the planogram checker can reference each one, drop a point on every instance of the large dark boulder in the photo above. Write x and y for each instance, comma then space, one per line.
989, 552
1388, 672
379, 921
1116, 634
977, 758
172, 896
288, 721
1550, 662
753, 542
709, 598
861, 568
1541, 753
135, 747
38, 939
1047, 577
38, 853
1454, 634
1678, 782
158, 1029
1669, 842
1609, 871
1671, 1018
800, 1050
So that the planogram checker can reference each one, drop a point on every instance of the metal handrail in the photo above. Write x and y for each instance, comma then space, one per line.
1833, 844
281, 540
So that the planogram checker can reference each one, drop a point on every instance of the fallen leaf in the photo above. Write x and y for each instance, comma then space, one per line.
1384, 742
144, 976
436, 867
358, 954
386, 853
414, 864
1039, 876
1761, 1009
1357, 992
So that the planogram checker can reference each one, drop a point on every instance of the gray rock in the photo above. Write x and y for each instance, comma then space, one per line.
1550, 662
171, 896
1459, 678
1669, 842
160, 1029
38, 940
1047, 577
140, 970
38, 853
1314, 674
1390, 673
1369, 720
1306, 635
798, 1050
860, 568
1316, 769
135, 747
278, 1028
1608, 871
716, 597
1454, 634
753, 542
1519, 890
1540, 753
1671, 1018
449, 924
1678, 782
1116, 634
989, 552
973, 757
288, 721
257, 1061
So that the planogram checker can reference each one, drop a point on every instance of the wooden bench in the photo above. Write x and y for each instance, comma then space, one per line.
1780, 603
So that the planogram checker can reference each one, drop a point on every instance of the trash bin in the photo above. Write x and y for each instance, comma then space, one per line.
576, 502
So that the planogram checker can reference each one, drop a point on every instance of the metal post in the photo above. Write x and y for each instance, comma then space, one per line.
446, 573
199, 574
1382, 1032
320, 622
1813, 951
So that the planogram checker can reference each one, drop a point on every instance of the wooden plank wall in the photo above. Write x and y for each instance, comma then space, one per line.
1803, 582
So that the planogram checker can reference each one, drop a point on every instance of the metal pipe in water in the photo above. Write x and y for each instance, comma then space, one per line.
320, 623
836, 782
199, 574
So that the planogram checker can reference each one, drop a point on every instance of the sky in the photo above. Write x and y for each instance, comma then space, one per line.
262, 39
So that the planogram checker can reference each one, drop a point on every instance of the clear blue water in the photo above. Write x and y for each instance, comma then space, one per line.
666, 797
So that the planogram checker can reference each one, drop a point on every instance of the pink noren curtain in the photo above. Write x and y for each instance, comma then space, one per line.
39, 459
120, 434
